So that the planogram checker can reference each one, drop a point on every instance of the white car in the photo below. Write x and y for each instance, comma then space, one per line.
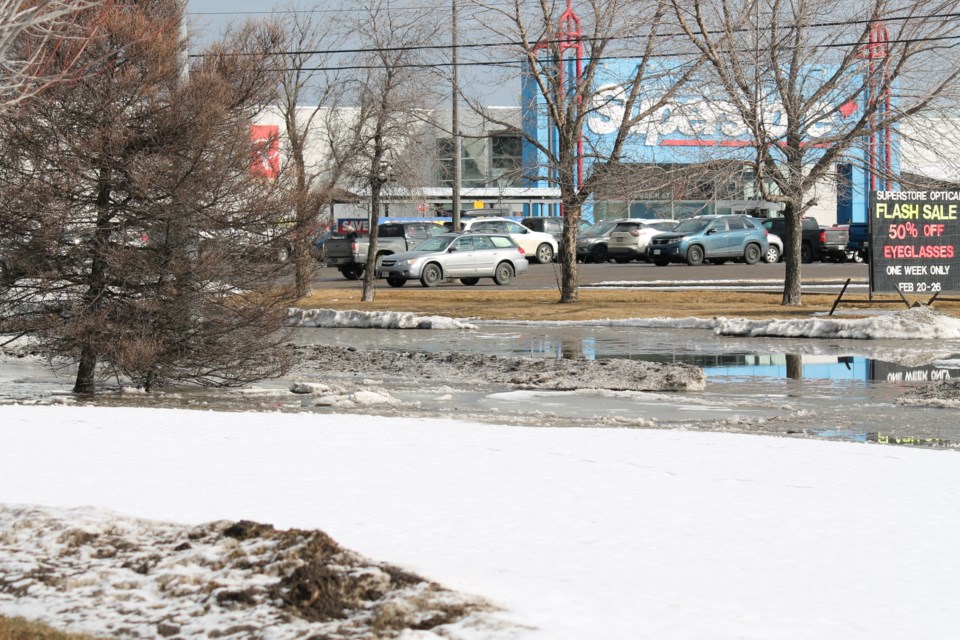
630, 238
537, 245
774, 250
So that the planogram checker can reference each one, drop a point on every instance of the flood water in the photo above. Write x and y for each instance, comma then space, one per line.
846, 389
838, 389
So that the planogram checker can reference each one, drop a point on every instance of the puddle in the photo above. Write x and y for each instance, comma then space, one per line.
835, 389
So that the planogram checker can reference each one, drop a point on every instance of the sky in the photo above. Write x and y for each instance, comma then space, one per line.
573, 533
208, 18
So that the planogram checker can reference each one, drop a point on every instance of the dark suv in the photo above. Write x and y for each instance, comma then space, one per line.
550, 224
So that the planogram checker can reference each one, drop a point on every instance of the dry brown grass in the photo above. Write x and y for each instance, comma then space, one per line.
20, 629
517, 304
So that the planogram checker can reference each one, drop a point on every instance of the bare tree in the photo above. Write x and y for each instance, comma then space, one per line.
42, 43
136, 241
311, 92
565, 56
811, 83
389, 96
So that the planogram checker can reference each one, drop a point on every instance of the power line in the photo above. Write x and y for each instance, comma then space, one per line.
447, 47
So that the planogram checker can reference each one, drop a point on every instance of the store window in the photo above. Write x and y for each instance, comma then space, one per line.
506, 160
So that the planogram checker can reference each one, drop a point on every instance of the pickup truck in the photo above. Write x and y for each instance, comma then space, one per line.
858, 244
348, 253
817, 243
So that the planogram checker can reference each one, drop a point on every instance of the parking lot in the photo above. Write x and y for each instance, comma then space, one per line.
730, 275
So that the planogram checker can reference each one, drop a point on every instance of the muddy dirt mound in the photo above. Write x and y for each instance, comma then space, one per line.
522, 373
103, 573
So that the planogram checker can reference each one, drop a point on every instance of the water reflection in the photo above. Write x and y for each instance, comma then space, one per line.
788, 366
887, 438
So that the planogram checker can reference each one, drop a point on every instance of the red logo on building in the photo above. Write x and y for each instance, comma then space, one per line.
265, 139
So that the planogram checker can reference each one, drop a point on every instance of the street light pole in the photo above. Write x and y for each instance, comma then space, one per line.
455, 99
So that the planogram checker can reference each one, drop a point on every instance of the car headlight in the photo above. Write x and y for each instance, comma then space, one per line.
407, 263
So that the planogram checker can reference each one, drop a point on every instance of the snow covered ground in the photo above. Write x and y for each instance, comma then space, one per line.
567, 533
572, 533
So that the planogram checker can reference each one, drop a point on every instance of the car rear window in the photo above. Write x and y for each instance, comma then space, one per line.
665, 225
625, 226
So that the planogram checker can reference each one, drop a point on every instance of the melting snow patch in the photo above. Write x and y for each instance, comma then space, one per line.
357, 399
114, 576
918, 323
645, 323
329, 318
309, 388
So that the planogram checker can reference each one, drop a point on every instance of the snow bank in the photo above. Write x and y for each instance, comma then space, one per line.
640, 323
918, 323
329, 318
575, 533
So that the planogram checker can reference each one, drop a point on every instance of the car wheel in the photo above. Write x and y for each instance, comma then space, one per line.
772, 256
544, 253
504, 273
752, 254
469, 281
599, 253
661, 263
396, 282
806, 253
431, 275
695, 255
352, 272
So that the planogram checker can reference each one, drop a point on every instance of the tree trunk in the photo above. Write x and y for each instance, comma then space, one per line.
301, 242
369, 276
792, 249
86, 372
569, 271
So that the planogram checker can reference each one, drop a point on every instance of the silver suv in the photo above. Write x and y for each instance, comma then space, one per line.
629, 239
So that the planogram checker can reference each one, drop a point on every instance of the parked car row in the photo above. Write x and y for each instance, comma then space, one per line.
500, 248
629, 239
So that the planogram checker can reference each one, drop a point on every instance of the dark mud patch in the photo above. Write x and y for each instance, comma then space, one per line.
521, 373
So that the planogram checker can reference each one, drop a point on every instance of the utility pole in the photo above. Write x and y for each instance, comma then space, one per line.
455, 100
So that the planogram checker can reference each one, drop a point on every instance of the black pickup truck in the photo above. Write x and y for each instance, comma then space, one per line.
817, 243
858, 243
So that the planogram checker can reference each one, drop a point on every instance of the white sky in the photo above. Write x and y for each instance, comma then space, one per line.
207, 18
577, 533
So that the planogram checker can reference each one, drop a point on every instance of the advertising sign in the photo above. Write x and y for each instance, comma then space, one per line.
360, 225
914, 241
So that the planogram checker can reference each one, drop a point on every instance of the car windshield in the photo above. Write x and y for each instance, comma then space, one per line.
599, 229
436, 243
691, 226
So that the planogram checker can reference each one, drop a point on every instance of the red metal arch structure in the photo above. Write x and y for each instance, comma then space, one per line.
569, 40
880, 145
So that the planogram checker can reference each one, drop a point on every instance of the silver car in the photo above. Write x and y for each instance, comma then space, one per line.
468, 257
